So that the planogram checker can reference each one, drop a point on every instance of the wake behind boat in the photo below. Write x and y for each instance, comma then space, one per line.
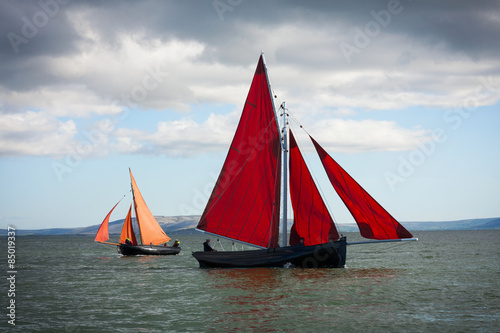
245, 203
151, 234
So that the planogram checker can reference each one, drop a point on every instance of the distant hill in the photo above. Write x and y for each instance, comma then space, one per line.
471, 224
168, 223
186, 224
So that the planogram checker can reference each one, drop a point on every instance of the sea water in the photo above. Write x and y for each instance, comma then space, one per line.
448, 281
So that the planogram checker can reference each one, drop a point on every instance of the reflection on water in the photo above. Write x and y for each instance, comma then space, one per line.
259, 298
446, 282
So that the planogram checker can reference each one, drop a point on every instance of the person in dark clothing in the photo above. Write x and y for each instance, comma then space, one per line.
176, 243
207, 247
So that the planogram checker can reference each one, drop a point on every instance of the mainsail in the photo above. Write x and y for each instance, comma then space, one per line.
312, 221
103, 233
373, 220
150, 230
248, 187
128, 230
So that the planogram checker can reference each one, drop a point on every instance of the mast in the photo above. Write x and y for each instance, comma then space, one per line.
284, 148
134, 204
285, 176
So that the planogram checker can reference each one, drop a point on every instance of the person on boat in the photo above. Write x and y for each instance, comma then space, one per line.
301, 242
128, 242
176, 243
207, 247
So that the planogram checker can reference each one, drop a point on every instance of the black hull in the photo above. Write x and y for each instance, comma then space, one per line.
331, 255
134, 250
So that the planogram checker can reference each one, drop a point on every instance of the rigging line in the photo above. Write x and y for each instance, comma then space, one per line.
387, 248
318, 184
220, 244
299, 123
274, 94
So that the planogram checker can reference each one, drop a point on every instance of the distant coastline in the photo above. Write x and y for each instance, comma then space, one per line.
186, 224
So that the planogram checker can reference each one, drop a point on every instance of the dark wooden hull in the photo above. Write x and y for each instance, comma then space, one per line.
134, 250
331, 255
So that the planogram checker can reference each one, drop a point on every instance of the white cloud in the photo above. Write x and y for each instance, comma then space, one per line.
34, 133
183, 137
188, 138
146, 68
366, 135
73, 100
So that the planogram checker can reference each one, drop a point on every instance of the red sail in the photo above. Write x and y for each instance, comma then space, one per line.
373, 220
244, 204
128, 230
312, 221
103, 233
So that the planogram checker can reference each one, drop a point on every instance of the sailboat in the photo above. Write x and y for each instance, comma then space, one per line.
151, 234
245, 203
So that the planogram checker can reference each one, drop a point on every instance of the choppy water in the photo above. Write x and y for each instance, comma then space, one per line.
449, 281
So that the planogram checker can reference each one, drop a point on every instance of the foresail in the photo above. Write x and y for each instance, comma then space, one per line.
244, 204
103, 233
312, 221
150, 230
373, 220
128, 230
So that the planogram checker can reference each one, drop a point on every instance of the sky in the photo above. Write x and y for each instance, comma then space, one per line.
403, 94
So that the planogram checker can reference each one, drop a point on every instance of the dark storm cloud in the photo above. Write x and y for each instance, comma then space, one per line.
233, 32
63, 60
30, 29
470, 27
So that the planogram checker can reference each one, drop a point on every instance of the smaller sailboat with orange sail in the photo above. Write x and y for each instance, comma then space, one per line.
151, 234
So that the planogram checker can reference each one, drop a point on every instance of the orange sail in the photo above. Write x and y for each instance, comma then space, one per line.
103, 233
150, 230
127, 230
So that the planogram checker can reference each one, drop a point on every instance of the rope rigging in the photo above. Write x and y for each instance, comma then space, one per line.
299, 143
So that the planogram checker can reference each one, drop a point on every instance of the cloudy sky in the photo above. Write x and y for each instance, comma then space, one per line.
403, 94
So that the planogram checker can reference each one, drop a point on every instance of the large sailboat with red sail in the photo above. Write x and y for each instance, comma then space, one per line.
245, 203
150, 232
